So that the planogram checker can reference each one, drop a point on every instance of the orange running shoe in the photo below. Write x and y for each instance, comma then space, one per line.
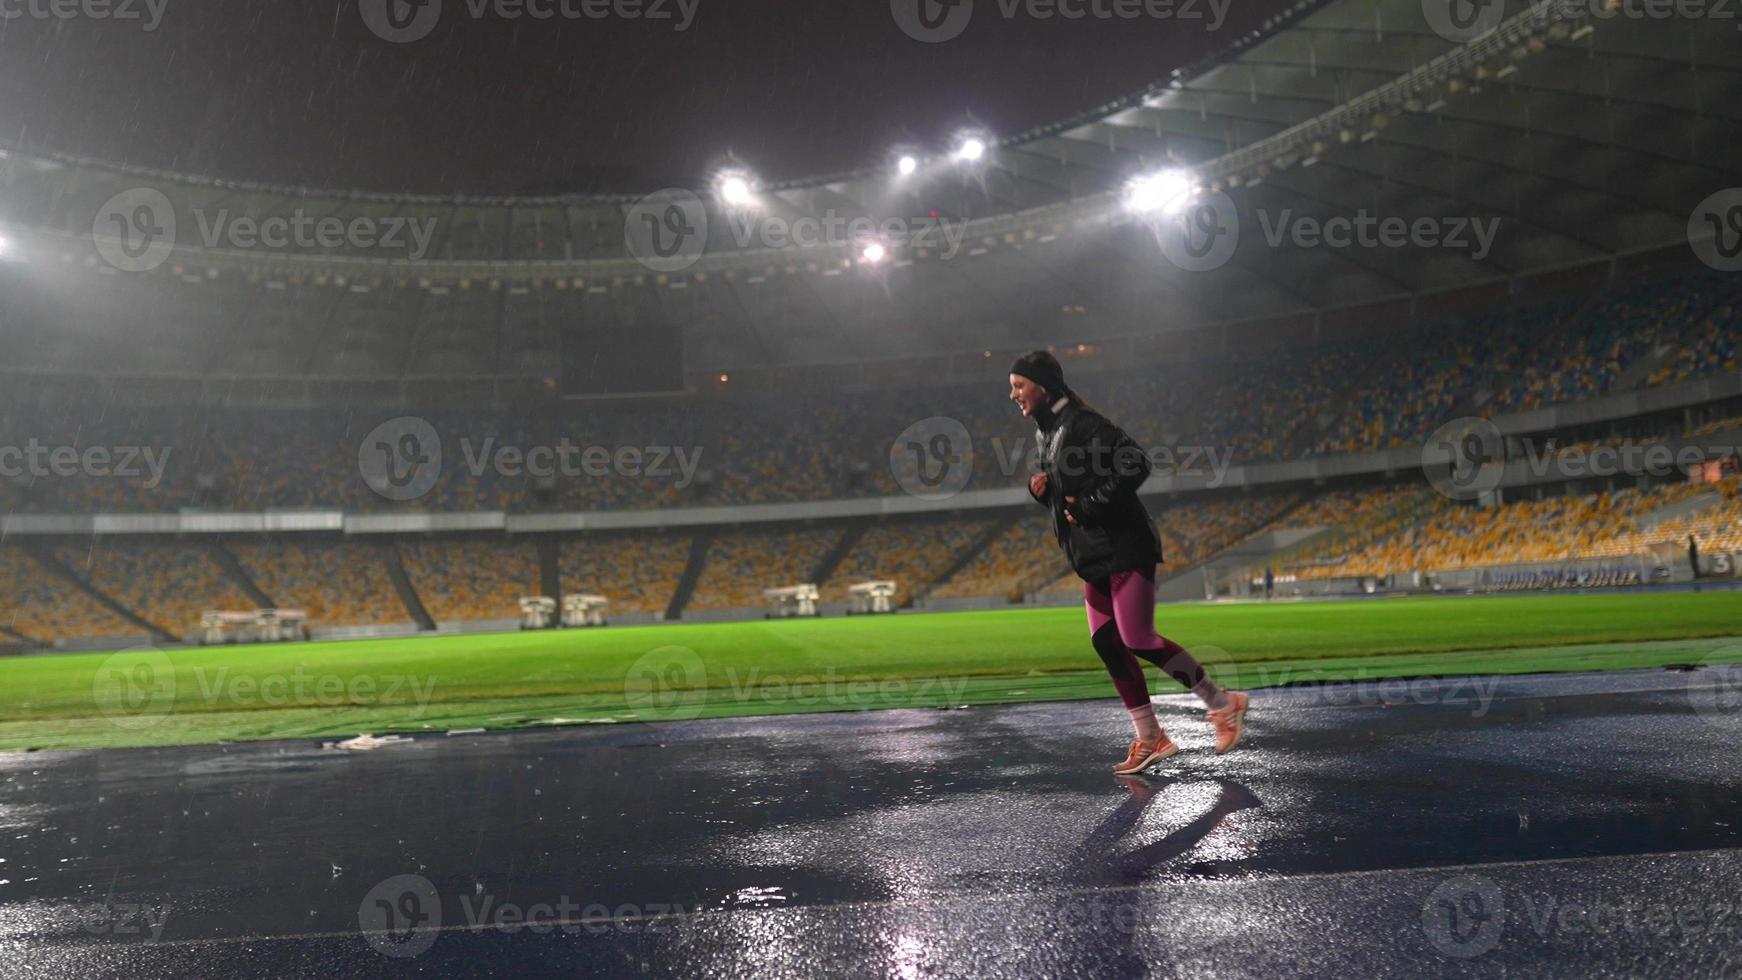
1230, 722
1145, 754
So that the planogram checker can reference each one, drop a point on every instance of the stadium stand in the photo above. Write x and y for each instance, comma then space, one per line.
1555, 529
1355, 521
169, 585
759, 447
1717, 528
636, 572
744, 562
339, 584
41, 606
472, 580
910, 553
1003, 567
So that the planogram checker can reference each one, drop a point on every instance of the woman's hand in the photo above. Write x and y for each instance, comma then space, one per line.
1037, 485
1068, 515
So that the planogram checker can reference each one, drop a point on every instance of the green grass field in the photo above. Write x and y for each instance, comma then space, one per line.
675, 672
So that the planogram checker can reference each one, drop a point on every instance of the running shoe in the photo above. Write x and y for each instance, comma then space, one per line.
1145, 754
1230, 722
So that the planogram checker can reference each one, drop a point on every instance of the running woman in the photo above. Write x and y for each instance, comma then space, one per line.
1089, 474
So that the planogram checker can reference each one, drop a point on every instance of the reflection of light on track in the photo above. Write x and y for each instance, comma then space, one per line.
1182, 803
769, 897
908, 953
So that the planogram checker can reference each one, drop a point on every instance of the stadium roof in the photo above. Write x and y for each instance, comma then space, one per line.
1571, 134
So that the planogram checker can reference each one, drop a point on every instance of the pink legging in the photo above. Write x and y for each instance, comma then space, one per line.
1127, 601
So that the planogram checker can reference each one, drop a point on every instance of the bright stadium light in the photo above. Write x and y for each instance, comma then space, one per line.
874, 253
736, 189
971, 150
1166, 192
906, 165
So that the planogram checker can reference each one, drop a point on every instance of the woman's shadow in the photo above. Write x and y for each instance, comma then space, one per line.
1099, 857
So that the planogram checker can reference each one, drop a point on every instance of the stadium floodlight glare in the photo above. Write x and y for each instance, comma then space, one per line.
736, 189
874, 253
906, 165
971, 150
1165, 192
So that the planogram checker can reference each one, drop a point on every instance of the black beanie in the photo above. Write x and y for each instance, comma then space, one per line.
1043, 369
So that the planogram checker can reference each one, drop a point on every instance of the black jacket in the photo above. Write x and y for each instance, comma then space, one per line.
1086, 456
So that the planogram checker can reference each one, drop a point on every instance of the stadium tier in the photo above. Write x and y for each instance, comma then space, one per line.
740, 564
169, 585
639, 573
38, 606
913, 554
1443, 536
1009, 560
472, 580
339, 584
728, 447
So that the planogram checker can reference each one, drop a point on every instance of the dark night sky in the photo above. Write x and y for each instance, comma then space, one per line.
300, 91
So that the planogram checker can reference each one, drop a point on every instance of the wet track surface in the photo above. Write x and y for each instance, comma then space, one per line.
1572, 826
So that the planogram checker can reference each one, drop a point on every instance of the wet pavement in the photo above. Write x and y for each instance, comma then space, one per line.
1577, 825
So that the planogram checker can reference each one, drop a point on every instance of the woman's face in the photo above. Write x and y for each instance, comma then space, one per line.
1027, 395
